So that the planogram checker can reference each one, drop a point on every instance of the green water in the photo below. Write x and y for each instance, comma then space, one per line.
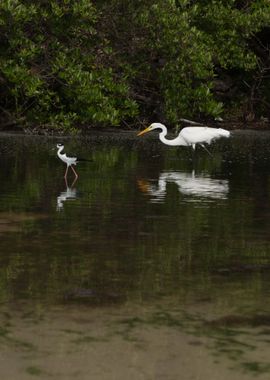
148, 232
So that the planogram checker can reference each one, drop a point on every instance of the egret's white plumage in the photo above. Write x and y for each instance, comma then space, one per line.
189, 136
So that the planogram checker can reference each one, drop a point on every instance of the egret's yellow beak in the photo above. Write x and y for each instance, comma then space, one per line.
144, 131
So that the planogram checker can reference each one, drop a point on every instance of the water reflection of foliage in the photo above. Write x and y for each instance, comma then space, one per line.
114, 248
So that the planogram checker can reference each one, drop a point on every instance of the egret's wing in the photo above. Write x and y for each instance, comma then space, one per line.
197, 135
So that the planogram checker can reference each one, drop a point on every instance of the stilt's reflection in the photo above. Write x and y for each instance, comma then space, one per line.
69, 194
189, 184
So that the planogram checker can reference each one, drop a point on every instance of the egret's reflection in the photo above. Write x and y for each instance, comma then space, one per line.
188, 184
69, 194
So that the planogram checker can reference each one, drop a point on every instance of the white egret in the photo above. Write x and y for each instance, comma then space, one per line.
69, 161
188, 136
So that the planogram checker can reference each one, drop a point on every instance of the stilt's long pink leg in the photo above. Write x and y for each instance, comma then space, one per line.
66, 172
74, 171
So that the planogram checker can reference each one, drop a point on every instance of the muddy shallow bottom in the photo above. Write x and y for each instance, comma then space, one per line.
129, 342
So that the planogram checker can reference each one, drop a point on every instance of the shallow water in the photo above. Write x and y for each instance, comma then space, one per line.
153, 265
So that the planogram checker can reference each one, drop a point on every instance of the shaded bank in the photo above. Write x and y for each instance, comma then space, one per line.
235, 125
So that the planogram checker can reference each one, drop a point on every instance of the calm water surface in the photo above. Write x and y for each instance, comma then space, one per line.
151, 265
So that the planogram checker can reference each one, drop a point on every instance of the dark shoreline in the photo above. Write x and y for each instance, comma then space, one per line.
235, 128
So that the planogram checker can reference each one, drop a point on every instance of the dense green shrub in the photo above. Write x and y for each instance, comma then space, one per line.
54, 67
180, 48
67, 63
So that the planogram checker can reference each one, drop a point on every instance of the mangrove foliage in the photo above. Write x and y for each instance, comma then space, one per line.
69, 64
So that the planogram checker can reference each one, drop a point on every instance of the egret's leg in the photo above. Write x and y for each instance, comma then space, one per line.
193, 152
193, 155
204, 147
74, 171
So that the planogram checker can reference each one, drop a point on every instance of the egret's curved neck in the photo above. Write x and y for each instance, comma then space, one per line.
173, 142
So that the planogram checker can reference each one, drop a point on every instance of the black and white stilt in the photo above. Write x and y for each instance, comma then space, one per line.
69, 161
